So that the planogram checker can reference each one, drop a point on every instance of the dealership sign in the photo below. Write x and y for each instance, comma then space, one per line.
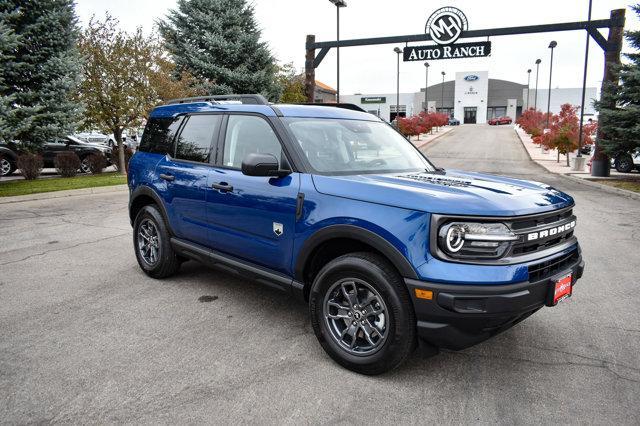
460, 50
373, 100
445, 26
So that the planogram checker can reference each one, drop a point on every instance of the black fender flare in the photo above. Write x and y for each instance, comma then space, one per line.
6, 152
144, 190
356, 233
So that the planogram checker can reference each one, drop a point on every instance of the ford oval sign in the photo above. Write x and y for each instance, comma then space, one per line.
471, 77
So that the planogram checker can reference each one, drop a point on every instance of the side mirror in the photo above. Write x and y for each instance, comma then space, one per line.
262, 165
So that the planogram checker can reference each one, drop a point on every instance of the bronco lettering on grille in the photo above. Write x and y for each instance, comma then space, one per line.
551, 231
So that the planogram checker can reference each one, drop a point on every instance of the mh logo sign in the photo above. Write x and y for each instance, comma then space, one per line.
446, 25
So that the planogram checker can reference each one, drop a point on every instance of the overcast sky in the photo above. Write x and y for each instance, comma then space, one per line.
372, 69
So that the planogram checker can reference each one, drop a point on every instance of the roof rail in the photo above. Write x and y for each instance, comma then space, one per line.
352, 107
252, 99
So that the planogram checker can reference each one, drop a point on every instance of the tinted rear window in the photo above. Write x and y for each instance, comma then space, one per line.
158, 135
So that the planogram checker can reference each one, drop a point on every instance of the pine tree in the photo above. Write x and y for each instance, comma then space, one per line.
8, 42
621, 125
218, 42
41, 74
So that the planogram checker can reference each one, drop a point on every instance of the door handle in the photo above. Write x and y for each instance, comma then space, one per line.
222, 186
169, 178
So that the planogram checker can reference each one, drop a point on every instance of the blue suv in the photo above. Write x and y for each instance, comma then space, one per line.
334, 206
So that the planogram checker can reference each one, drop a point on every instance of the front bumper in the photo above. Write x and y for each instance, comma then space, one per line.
459, 316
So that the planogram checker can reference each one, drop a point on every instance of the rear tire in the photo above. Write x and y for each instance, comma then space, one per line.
7, 167
152, 244
362, 314
624, 163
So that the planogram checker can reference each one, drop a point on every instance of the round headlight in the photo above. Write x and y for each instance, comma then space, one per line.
455, 238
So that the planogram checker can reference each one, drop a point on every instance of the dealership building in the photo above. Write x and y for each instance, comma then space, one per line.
472, 97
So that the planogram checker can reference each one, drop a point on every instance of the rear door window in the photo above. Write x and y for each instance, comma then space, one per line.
158, 135
196, 138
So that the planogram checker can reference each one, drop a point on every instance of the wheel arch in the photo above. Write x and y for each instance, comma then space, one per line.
6, 152
337, 240
144, 196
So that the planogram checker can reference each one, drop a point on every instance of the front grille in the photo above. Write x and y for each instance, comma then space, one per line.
546, 269
540, 222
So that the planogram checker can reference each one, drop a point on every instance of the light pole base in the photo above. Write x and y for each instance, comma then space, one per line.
578, 164
601, 168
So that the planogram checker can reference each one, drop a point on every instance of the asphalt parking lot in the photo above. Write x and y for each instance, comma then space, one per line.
86, 337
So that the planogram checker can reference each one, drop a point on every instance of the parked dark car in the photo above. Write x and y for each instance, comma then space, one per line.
500, 120
454, 121
9, 153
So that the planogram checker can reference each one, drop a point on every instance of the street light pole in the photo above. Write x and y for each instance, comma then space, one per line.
552, 46
338, 4
579, 165
398, 52
426, 88
535, 101
442, 92
528, 81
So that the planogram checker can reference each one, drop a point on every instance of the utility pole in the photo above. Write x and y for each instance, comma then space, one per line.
579, 164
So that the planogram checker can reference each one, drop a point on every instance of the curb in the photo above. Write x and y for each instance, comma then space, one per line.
605, 188
425, 143
63, 194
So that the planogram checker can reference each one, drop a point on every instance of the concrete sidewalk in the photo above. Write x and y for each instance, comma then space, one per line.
548, 160
426, 138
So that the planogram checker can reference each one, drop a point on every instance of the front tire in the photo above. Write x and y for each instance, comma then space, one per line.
85, 167
362, 314
151, 241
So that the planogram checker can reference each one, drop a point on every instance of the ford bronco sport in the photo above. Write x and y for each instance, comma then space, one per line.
333, 205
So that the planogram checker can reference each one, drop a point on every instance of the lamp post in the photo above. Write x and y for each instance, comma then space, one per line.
338, 4
398, 52
579, 165
442, 92
552, 46
528, 81
426, 88
535, 101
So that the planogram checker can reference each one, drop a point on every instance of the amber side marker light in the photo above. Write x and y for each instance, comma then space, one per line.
424, 294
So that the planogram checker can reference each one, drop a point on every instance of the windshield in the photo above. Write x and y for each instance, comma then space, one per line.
335, 146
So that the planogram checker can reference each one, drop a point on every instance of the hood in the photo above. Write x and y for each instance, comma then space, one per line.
453, 192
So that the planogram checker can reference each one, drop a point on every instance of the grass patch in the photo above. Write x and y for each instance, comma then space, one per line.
629, 185
24, 187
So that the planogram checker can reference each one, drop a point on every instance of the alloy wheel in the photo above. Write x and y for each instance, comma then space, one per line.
5, 166
356, 316
148, 242
84, 166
